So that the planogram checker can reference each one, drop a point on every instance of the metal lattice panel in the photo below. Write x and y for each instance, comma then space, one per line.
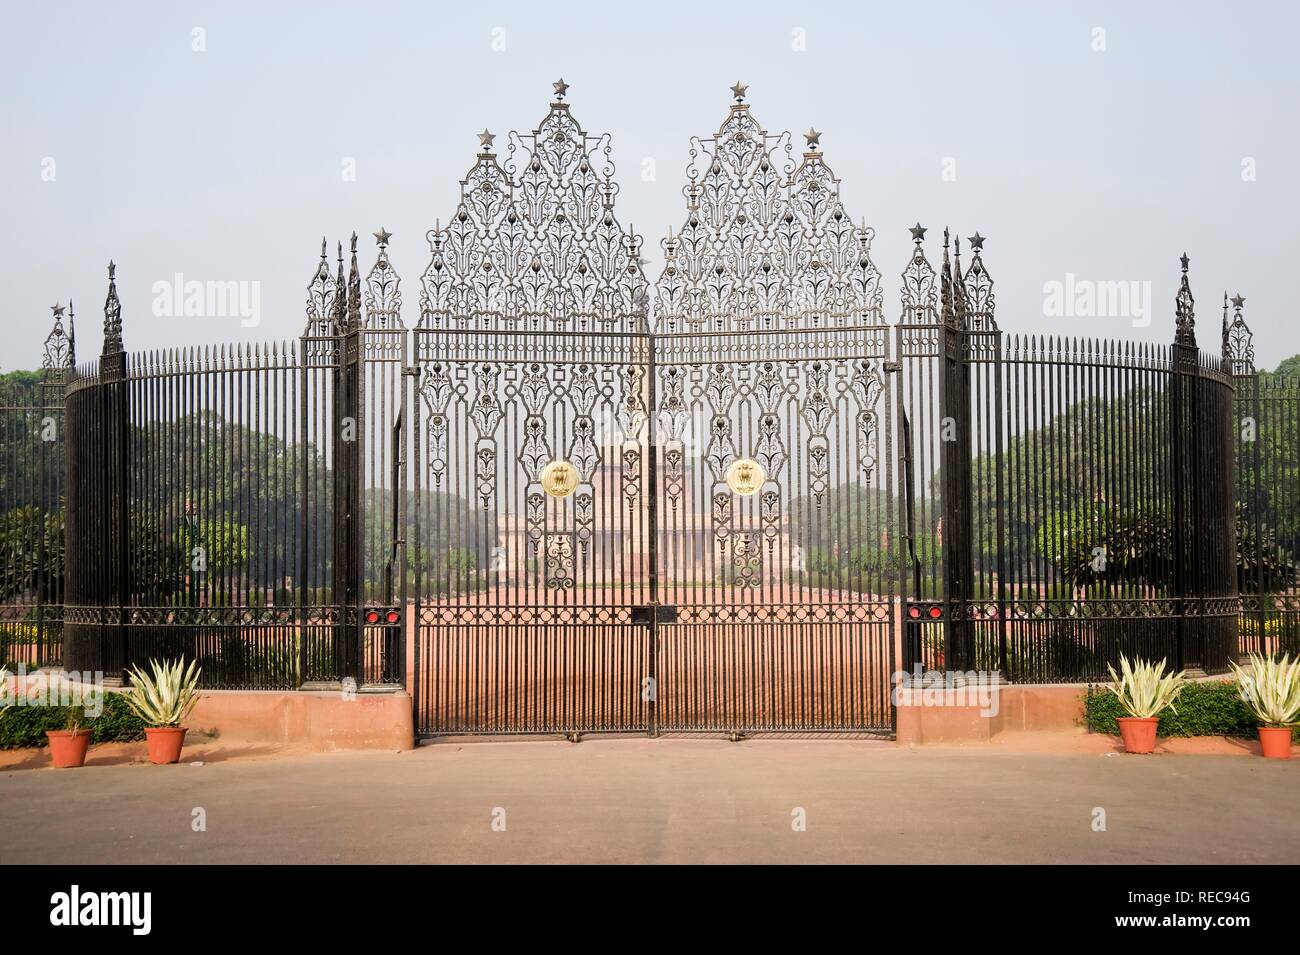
766, 244
535, 244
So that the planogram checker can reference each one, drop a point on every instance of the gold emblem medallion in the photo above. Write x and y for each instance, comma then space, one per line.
745, 476
559, 478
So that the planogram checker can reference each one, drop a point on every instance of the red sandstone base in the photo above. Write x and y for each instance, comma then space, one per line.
1018, 707
316, 719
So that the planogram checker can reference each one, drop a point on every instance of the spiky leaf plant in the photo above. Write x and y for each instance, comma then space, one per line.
1271, 689
165, 697
1144, 689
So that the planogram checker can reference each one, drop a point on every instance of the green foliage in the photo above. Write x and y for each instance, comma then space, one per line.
1205, 708
20, 551
25, 726
1263, 565
1093, 545
239, 660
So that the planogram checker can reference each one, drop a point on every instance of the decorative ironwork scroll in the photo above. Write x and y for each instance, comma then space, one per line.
1238, 341
59, 354
535, 245
920, 285
383, 288
766, 244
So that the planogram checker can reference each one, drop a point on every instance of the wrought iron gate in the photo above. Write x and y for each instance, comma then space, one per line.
642, 529
542, 510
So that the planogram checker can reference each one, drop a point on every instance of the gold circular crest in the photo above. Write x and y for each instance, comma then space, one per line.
559, 478
745, 476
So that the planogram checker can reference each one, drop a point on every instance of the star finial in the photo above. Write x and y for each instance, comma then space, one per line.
57, 309
918, 232
738, 90
485, 140
814, 138
976, 242
1238, 301
382, 237
1185, 260
560, 88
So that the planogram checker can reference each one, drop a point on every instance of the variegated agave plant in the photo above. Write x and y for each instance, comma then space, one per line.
1144, 689
167, 696
1271, 688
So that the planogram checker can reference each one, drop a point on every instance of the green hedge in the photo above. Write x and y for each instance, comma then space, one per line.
24, 726
1209, 708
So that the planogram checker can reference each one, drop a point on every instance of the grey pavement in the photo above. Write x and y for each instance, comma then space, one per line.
660, 801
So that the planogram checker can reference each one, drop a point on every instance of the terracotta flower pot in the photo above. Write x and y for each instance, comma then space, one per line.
68, 747
165, 743
1138, 733
1275, 741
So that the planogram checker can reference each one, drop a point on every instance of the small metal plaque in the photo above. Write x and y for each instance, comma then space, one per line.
559, 478
745, 476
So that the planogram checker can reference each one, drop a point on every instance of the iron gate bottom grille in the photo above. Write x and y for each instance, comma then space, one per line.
496, 675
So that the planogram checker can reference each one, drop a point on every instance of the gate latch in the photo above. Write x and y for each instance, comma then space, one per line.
646, 613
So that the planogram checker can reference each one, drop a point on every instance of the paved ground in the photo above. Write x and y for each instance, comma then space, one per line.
671, 800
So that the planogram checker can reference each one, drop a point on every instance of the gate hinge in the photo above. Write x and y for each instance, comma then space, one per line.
891, 365
412, 370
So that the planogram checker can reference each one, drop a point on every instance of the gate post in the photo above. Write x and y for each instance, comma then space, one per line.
1239, 356
55, 373
1185, 455
348, 431
955, 468
113, 506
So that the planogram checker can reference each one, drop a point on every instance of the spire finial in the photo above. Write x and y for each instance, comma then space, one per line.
1185, 310
112, 314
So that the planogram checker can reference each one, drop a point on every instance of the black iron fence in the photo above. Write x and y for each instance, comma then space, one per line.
541, 509
1059, 502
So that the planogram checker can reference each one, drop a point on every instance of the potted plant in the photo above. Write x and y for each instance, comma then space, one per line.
1271, 688
68, 745
163, 700
1144, 690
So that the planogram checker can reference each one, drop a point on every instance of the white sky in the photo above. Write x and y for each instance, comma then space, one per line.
226, 164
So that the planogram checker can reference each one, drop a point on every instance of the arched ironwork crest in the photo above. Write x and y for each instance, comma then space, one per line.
535, 243
766, 242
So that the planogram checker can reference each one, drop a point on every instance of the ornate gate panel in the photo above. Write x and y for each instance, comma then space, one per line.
776, 544
532, 551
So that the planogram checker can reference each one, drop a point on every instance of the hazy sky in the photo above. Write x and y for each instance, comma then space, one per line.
227, 164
